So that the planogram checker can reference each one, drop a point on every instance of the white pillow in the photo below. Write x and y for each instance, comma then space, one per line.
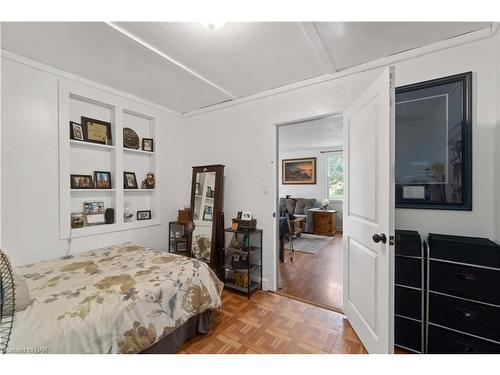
23, 297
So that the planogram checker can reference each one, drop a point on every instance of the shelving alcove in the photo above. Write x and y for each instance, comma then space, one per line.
80, 157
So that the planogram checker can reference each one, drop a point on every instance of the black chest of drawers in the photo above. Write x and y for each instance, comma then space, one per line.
409, 319
463, 295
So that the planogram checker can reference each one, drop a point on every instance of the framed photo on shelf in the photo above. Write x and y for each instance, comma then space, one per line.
147, 144
76, 131
300, 171
81, 181
208, 213
102, 180
434, 144
246, 215
96, 131
144, 215
93, 207
129, 180
95, 219
77, 219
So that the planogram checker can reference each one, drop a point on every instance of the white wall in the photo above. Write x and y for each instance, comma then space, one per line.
243, 137
30, 171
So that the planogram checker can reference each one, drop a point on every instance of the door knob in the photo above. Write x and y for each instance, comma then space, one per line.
379, 238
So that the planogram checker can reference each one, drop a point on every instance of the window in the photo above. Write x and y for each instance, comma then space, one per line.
335, 176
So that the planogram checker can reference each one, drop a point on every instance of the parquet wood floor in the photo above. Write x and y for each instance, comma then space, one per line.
270, 323
315, 278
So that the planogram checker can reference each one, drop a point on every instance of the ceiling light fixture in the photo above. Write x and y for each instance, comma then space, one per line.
211, 25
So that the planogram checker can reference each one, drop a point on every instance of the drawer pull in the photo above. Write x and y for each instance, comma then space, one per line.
465, 276
464, 312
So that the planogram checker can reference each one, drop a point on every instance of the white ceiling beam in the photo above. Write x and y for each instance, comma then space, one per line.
168, 58
317, 44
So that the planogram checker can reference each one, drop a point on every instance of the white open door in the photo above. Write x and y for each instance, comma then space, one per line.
369, 214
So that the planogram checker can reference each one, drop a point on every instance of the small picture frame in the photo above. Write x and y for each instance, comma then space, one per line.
246, 215
96, 131
90, 208
81, 181
234, 226
144, 215
95, 219
208, 213
102, 180
76, 131
149, 182
147, 144
129, 180
238, 216
209, 192
77, 220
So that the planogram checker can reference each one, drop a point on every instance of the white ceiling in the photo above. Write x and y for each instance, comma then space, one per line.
184, 67
323, 133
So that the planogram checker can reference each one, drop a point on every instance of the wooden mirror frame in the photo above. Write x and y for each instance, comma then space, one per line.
217, 216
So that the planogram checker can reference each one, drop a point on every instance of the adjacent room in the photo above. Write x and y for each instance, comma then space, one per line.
250, 187
310, 198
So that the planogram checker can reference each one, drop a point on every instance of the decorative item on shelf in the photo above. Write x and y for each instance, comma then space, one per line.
144, 215
129, 180
76, 131
95, 219
81, 181
109, 215
130, 139
300, 171
102, 180
93, 207
236, 243
147, 144
77, 220
96, 131
128, 212
183, 216
210, 192
244, 221
241, 279
197, 189
324, 204
149, 181
239, 261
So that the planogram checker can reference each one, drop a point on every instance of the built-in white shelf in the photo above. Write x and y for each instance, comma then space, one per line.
91, 145
92, 190
134, 151
92, 230
81, 157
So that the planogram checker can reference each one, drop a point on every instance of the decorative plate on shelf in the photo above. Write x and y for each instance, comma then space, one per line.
130, 138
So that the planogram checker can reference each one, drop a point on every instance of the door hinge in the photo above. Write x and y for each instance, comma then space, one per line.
391, 241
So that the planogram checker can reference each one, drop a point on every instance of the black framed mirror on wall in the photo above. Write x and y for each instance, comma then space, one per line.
434, 144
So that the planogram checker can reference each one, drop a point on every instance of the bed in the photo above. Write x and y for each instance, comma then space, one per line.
120, 299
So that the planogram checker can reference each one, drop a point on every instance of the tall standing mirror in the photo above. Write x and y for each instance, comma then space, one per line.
206, 213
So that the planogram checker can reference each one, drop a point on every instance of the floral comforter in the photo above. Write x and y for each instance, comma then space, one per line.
118, 299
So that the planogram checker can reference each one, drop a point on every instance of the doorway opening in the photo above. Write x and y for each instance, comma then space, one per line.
309, 202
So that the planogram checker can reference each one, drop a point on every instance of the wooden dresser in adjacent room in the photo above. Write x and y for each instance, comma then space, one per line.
325, 222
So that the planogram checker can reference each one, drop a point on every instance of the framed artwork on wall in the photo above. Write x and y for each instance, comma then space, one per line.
434, 144
300, 171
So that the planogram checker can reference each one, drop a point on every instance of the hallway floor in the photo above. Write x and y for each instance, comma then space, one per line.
316, 278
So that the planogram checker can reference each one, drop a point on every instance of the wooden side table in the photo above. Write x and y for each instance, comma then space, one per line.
325, 222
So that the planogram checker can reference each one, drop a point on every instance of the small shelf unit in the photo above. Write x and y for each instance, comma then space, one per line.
243, 263
83, 157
